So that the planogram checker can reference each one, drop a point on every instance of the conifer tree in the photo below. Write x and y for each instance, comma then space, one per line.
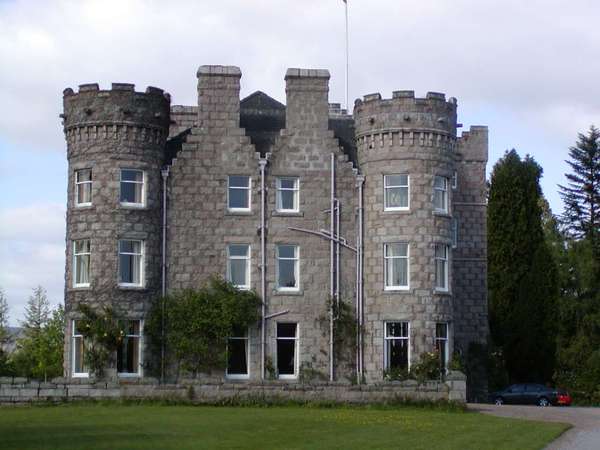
37, 311
521, 271
3, 316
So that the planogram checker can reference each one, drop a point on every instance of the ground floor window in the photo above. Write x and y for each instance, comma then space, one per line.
237, 355
79, 368
128, 352
287, 350
397, 345
441, 344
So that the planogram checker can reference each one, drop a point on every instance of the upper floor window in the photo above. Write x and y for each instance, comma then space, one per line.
396, 266
238, 265
78, 365
81, 263
454, 232
131, 263
441, 267
455, 180
129, 350
441, 344
397, 346
288, 267
238, 193
396, 192
132, 187
440, 194
83, 187
237, 355
288, 190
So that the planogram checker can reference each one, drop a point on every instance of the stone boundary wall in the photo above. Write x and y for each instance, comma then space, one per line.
22, 390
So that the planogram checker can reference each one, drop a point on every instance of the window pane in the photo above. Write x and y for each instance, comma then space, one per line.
239, 198
440, 251
132, 175
396, 249
286, 330
441, 347
130, 246
237, 357
397, 272
440, 182
78, 355
286, 251
441, 330
286, 359
84, 175
439, 200
82, 246
396, 329
287, 273
396, 180
396, 197
128, 355
286, 200
237, 181
239, 250
237, 272
84, 193
126, 268
397, 353
288, 183
440, 273
129, 193
82, 269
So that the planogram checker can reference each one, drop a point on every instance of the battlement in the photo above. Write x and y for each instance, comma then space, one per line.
121, 105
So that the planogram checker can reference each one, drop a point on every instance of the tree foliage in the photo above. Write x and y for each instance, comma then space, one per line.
521, 271
198, 323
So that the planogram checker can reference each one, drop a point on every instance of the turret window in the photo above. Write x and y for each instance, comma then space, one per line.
78, 350
131, 263
441, 267
440, 194
132, 187
441, 344
397, 346
129, 350
396, 266
238, 193
396, 192
288, 190
81, 263
238, 265
83, 187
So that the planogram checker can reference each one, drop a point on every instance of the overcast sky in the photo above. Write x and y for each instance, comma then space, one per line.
527, 69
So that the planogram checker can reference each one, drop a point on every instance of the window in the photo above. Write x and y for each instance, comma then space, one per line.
288, 190
396, 266
79, 368
128, 351
397, 346
238, 265
237, 355
131, 263
441, 344
455, 180
441, 267
396, 192
83, 187
287, 350
454, 232
440, 194
81, 263
132, 187
238, 193
288, 267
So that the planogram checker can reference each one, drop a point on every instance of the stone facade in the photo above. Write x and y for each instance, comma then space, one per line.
203, 146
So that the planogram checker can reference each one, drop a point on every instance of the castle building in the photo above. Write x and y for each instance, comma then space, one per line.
384, 208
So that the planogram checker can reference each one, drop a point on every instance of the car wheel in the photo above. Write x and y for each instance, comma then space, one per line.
543, 402
499, 401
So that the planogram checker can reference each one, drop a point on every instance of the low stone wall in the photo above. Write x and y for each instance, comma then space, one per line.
21, 390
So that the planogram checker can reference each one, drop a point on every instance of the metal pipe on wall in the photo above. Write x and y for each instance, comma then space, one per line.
337, 252
331, 265
165, 175
262, 163
359, 248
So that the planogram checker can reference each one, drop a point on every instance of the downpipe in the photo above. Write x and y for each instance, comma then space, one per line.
262, 163
165, 176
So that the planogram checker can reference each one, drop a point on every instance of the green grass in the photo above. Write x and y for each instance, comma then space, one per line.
152, 426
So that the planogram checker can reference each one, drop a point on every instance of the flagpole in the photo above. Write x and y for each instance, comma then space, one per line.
346, 7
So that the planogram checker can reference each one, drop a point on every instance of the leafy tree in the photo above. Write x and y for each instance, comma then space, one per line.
5, 368
521, 272
582, 194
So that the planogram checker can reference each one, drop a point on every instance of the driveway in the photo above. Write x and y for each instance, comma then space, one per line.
585, 434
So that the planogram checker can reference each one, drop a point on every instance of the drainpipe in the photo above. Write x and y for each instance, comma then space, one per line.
262, 163
331, 264
165, 175
359, 255
337, 252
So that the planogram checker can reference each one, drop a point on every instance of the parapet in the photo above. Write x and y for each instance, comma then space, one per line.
216, 70
473, 144
307, 73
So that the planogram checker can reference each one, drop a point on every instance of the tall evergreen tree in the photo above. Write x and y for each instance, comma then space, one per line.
521, 271
3, 316
37, 311
581, 196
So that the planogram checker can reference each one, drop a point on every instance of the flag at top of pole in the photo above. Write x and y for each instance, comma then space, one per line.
346, 9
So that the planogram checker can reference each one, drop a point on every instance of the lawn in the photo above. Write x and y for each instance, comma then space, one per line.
115, 426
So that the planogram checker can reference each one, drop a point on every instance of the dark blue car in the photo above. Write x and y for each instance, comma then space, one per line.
530, 394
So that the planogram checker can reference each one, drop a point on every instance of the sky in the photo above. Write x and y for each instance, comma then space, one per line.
527, 70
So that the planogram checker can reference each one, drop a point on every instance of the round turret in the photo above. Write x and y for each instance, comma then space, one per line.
406, 151
116, 149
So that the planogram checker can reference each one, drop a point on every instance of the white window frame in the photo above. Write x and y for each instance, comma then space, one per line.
75, 337
385, 267
239, 376
454, 232
446, 340
76, 263
247, 258
296, 193
296, 351
142, 256
386, 339
455, 180
140, 337
248, 193
386, 187
446, 260
143, 183
296, 260
79, 183
444, 192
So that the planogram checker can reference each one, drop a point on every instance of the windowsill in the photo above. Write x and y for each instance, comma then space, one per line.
297, 292
287, 377
131, 287
442, 291
128, 375
442, 214
237, 377
132, 205
243, 288
396, 289
287, 214
399, 210
238, 212
83, 206
80, 375
81, 287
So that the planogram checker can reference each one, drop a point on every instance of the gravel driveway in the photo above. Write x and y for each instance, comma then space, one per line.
585, 434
